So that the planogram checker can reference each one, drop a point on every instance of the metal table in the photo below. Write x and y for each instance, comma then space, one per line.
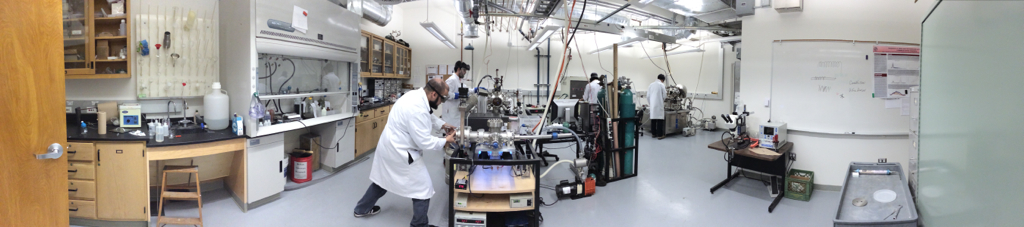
746, 159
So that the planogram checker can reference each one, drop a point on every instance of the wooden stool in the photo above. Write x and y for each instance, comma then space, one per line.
169, 195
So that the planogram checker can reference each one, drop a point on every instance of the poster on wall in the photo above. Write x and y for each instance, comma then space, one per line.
896, 70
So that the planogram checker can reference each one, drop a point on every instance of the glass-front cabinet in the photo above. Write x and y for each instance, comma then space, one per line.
77, 48
364, 54
96, 34
377, 57
389, 58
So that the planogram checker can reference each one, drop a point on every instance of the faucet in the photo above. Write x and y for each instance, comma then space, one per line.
184, 119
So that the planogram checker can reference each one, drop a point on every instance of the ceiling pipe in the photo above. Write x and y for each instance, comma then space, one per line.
470, 28
377, 13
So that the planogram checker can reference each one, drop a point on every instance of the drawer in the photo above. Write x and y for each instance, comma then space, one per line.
382, 112
82, 209
82, 190
364, 116
81, 152
81, 170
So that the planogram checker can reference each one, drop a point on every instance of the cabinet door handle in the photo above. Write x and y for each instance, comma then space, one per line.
72, 170
73, 209
72, 190
72, 152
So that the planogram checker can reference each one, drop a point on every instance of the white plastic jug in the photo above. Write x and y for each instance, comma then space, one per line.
215, 105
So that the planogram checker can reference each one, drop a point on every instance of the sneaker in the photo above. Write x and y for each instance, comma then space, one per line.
375, 210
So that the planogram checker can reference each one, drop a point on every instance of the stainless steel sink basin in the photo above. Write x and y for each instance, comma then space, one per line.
190, 129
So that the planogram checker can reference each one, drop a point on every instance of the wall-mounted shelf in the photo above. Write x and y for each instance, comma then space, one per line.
114, 60
117, 19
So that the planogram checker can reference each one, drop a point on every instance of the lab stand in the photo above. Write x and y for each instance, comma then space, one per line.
493, 185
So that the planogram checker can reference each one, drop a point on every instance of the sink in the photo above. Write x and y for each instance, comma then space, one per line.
190, 129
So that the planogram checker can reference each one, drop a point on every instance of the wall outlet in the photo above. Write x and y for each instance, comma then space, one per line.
767, 102
792, 156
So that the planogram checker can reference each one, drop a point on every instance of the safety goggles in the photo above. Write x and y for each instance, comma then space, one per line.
443, 97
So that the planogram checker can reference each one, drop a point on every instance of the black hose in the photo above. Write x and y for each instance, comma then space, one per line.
482, 80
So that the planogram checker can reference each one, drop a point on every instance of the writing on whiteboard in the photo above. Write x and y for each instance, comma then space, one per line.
823, 88
830, 64
857, 82
822, 78
857, 89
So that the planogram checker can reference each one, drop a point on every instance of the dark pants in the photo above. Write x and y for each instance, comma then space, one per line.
365, 205
657, 127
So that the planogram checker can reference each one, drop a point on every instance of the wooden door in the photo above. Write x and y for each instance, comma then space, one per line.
364, 137
122, 191
32, 191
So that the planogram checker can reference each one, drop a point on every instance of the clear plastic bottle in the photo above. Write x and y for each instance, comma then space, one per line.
159, 132
122, 30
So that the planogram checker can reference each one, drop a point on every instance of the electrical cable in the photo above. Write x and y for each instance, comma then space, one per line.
561, 67
599, 61
651, 59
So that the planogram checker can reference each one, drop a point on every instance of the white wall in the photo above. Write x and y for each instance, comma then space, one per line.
875, 20
520, 66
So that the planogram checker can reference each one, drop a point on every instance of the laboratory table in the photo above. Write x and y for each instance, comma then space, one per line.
746, 159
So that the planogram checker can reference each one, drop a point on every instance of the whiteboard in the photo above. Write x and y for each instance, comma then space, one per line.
826, 87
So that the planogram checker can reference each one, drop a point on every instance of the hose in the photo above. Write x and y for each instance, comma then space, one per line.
553, 167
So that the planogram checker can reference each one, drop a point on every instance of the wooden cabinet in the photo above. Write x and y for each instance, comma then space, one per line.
122, 192
389, 59
90, 38
364, 54
369, 126
377, 56
81, 152
81, 170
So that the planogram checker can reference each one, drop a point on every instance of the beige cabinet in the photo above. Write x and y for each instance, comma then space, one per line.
122, 192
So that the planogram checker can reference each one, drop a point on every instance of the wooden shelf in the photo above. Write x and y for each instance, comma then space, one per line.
497, 180
75, 19
112, 37
74, 39
74, 61
98, 76
115, 60
490, 203
116, 19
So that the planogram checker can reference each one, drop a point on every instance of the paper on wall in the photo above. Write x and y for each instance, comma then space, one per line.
893, 103
432, 69
905, 111
299, 22
896, 70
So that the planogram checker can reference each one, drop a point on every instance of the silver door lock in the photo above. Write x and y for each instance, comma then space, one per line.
53, 152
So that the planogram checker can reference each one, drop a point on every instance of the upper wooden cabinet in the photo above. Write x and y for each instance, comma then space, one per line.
94, 40
383, 58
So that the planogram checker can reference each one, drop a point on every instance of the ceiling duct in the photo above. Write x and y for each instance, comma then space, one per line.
377, 13
470, 28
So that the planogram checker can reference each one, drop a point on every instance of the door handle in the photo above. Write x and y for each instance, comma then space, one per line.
53, 152
73, 209
72, 190
72, 170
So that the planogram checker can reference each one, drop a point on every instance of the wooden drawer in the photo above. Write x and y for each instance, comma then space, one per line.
364, 116
81, 170
81, 190
81, 152
382, 112
82, 209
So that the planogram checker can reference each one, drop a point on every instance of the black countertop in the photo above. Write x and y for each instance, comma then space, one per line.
92, 134
364, 107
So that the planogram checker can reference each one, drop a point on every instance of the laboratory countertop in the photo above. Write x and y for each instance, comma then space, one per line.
75, 133
364, 107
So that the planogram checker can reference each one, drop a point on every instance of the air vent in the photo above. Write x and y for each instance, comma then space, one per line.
786, 6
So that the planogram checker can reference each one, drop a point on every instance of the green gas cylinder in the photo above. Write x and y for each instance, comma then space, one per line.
627, 109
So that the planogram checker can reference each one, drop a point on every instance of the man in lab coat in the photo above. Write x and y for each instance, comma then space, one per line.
397, 165
590, 92
450, 109
656, 99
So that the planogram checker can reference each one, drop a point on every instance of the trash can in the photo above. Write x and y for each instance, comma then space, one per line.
302, 168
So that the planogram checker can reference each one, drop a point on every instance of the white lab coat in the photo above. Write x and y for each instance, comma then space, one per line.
450, 107
406, 136
590, 92
656, 99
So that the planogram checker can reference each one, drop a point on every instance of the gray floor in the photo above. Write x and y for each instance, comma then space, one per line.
675, 175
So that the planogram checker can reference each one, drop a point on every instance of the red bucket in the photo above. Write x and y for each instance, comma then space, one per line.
302, 168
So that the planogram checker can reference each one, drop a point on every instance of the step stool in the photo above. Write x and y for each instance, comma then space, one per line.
170, 195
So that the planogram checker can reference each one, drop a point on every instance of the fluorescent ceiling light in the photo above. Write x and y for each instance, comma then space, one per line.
645, 2
676, 52
436, 31
627, 42
723, 39
543, 34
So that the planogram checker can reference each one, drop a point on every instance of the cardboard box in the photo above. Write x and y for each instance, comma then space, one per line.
312, 143
102, 49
